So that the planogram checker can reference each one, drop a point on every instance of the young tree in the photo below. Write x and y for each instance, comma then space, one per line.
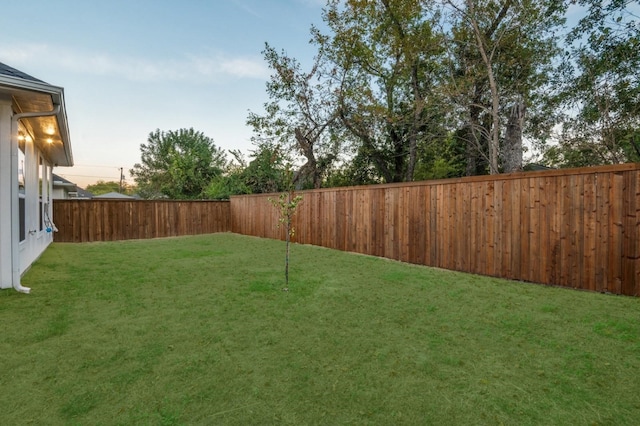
287, 203
177, 164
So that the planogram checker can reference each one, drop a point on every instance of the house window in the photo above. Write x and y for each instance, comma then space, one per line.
42, 182
21, 171
21, 200
23, 230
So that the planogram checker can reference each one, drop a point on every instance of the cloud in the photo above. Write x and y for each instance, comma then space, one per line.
246, 8
314, 3
196, 68
239, 67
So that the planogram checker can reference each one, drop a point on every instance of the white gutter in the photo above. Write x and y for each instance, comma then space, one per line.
57, 97
15, 212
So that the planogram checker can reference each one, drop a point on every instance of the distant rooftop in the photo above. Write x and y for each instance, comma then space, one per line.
113, 195
83, 193
60, 180
12, 72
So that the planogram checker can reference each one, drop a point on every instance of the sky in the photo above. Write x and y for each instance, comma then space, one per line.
129, 67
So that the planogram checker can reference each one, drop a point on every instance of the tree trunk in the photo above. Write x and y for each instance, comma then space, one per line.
310, 168
512, 151
286, 256
494, 141
474, 142
418, 107
399, 158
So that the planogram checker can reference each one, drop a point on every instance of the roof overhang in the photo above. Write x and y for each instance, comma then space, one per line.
58, 184
49, 133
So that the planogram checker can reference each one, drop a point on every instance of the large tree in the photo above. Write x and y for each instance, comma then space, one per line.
299, 118
501, 56
602, 91
430, 88
385, 60
177, 164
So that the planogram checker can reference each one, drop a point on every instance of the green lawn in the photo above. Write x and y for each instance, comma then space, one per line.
197, 330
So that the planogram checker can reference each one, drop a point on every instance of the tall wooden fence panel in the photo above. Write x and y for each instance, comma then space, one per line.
577, 228
111, 220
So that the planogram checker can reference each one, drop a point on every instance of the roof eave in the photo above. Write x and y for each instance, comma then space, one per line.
57, 98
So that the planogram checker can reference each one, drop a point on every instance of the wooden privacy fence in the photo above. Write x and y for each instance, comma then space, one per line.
576, 228
111, 220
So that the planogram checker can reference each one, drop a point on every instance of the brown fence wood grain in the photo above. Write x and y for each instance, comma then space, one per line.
577, 228
112, 220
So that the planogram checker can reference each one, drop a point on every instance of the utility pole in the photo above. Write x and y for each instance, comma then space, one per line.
121, 179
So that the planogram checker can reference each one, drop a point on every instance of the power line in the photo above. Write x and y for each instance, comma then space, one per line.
89, 165
86, 176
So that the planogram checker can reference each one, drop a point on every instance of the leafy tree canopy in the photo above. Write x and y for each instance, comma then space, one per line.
265, 173
601, 91
177, 165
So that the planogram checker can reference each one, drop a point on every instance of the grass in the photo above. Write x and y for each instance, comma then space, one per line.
197, 330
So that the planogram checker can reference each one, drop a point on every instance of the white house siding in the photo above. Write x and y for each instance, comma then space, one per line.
37, 173
33, 136
6, 203
59, 194
36, 176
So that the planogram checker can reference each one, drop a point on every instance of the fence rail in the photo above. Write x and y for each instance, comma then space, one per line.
111, 220
576, 228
